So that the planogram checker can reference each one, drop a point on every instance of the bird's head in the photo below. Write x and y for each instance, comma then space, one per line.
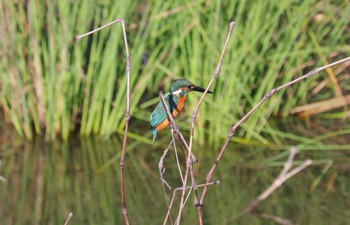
183, 86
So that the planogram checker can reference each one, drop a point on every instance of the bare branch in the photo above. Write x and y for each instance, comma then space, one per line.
180, 189
189, 158
195, 113
246, 116
79, 37
70, 215
277, 219
176, 155
127, 110
174, 126
215, 75
161, 166
285, 174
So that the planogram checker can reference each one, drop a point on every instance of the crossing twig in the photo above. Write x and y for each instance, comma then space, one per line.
286, 173
246, 116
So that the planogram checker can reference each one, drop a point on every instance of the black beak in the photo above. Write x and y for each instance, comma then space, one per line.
200, 89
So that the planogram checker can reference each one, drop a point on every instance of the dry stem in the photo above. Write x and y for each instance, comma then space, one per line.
173, 124
189, 157
285, 174
127, 111
265, 98
277, 219
161, 167
189, 161
68, 218
181, 188
195, 111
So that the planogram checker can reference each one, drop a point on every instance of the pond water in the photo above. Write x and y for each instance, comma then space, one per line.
43, 182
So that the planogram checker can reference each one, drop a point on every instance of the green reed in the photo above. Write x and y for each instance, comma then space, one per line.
53, 85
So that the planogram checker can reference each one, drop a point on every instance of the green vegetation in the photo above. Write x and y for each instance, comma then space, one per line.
52, 85
46, 182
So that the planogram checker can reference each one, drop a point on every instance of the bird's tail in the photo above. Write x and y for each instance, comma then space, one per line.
154, 132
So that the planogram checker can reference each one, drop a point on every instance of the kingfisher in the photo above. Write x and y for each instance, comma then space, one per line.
176, 100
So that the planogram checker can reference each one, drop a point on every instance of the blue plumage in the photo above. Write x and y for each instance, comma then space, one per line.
159, 114
175, 100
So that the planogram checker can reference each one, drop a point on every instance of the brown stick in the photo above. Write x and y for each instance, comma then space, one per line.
173, 124
189, 157
189, 160
127, 112
196, 109
239, 123
276, 219
127, 119
68, 218
161, 168
285, 174
120, 20
181, 188
215, 75
189, 165
176, 155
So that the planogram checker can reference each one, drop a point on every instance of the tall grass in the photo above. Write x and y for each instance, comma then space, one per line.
51, 85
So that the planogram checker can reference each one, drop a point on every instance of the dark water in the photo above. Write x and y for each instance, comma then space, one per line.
43, 182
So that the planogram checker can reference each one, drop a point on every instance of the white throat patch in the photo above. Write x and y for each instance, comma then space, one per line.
177, 92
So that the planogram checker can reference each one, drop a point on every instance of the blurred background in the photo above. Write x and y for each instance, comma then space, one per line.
63, 107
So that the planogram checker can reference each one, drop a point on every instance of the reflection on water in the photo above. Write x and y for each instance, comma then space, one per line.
46, 181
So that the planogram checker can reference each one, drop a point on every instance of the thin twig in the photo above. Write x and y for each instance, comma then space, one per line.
1, 177
181, 188
170, 207
127, 111
200, 185
182, 201
246, 116
285, 174
161, 167
176, 155
173, 125
277, 219
120, 20
196, 109
127, 119
289, 163
189, 160
70, 215
215, 75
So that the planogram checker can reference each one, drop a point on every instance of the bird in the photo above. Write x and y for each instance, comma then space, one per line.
176, 100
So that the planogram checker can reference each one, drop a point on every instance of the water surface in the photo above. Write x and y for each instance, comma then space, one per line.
47, 181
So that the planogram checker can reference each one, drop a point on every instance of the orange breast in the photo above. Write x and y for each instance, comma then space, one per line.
163, 125
180, 105
179, 108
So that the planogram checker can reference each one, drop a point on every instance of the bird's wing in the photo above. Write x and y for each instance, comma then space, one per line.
159, 114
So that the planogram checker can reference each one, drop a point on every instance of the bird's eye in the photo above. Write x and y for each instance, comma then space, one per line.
190, 87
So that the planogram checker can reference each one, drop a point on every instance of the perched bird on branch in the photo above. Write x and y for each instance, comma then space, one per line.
176, 100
